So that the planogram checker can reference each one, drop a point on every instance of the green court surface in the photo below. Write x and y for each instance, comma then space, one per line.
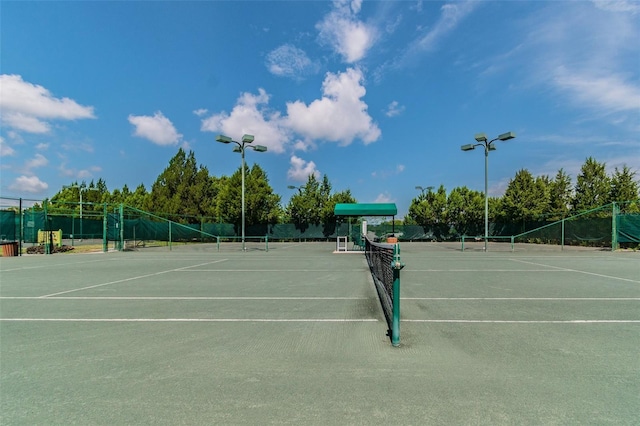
296, 335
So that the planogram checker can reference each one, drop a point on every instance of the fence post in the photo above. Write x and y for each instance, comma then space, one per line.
614, 226
121, 220
105, 222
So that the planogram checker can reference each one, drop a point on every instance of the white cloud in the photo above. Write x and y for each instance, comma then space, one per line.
610, 92
300, 169
625, 6
339, 116
348, 36
394, 109
37, 161
251, 116
384, 197
5, 150
158, 129
384, 174
200, 112
42, 146
28, 107
595, 71
429, 40
31, 184
290, 61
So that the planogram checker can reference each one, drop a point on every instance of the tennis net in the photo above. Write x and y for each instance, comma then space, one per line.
384, 263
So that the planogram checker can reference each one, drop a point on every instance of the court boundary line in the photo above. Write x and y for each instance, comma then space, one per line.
525, 321
129, 279
576, 270
335, 320
56, 265
184, 298
553, 299
188, 320
483, 270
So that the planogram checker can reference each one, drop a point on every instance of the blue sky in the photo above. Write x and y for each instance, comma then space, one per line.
377, 95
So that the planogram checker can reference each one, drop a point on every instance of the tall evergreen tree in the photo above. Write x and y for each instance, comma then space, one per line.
526, 198
625, 188
465, 211
181, 191
592, 187
560, 196
262, 206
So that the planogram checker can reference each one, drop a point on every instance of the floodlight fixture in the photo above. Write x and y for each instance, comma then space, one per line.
259, 148
247, 139
507, 136
237, 149
481, 137
223, 139
424, 188
467, 147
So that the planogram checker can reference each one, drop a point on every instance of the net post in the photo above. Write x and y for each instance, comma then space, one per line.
512, 244
218, 242
395, 325
266, 242
462, 239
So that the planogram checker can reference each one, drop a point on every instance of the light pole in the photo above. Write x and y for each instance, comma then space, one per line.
424, 188
299, 188
80, 188
246, 141
481, 138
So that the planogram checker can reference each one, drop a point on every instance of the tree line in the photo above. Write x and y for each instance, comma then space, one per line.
187, 193
526, 199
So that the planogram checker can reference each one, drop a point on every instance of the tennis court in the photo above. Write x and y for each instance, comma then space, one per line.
296, 335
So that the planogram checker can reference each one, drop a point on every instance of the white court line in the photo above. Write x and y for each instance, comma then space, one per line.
575, 270
182, 298
185, 320
528, 321
336, 320
273, 270
561, 299
578, 299
483, 270
56, 265
129, 279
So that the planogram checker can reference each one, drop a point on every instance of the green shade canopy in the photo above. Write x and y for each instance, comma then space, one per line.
358, 209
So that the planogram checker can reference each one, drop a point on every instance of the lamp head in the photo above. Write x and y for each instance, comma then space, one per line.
237, 149
481, 137
507, 136
247, 138
223, 139
260, 148
468, 147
